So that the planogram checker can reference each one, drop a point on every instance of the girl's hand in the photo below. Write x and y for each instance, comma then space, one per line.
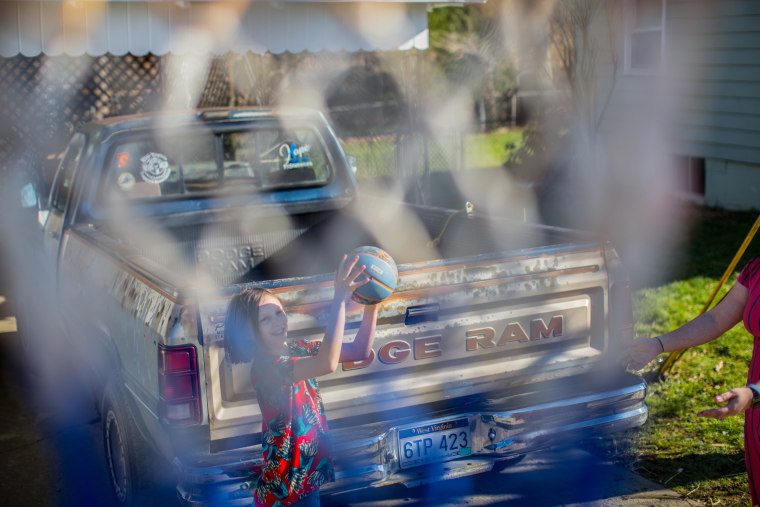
345, 278
738, 400
640, 352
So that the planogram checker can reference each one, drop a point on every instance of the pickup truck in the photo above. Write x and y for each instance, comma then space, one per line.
499, 340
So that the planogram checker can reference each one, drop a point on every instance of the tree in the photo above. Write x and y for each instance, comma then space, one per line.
580, 43
470, 48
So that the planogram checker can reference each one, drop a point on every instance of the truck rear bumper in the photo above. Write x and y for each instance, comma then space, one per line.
494, 436
376, 460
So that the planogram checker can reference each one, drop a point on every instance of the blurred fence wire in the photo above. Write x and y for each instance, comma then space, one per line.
45, 99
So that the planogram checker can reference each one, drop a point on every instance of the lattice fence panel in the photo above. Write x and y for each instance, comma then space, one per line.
45, 99
218, 90
123, 85
36, 104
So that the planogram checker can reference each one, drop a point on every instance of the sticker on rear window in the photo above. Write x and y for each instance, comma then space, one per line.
126, 181
155, 168
296, 157
123, 159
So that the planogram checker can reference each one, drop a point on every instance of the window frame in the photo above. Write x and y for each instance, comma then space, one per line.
631, 30
107, 178
67, 169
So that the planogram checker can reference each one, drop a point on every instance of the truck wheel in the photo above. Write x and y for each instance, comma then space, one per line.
127, 455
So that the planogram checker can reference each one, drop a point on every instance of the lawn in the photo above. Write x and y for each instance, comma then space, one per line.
378, 155
700, 458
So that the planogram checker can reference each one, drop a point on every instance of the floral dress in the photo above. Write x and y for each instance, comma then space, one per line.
750, 278
294, 436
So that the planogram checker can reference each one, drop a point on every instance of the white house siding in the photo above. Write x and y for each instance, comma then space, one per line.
705, 103
720, 120
97, 27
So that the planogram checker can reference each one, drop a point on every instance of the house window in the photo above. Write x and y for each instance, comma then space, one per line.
645, 35
690, 175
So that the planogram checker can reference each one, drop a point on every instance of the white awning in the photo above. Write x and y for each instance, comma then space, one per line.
76, 27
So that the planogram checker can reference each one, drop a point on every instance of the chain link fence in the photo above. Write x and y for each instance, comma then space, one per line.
372, 102
45, 99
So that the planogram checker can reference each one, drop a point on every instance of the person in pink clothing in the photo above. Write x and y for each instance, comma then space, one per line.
742, 303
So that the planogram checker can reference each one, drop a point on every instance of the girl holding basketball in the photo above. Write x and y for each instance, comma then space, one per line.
294, 428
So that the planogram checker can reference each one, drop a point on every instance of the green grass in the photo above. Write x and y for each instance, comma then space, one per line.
700, 458
491, 149
376, 156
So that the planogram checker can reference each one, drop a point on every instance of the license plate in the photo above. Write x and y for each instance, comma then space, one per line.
434, 442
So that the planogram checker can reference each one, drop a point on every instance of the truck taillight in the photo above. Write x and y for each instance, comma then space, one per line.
621, 310
178, 385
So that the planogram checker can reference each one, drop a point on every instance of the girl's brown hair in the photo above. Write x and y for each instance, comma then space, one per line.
241, 329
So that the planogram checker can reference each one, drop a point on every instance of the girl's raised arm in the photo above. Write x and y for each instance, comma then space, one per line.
361, 347
327, 359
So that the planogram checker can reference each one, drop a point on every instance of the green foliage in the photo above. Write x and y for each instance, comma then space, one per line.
493, 148
536, 154
708, 452
376, 156
468, 45
451, 28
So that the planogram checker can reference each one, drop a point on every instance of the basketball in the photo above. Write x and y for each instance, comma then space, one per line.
381, 270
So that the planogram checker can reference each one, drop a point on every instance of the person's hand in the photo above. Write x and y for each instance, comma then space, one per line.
640, 352
345, 278
737, 401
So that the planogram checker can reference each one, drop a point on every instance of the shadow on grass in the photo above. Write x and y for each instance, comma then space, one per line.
714, 239
689, 469
714, 478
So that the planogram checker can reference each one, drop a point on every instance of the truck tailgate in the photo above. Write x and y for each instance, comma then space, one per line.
452, 329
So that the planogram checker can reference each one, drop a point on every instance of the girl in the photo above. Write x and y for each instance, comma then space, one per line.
294, 428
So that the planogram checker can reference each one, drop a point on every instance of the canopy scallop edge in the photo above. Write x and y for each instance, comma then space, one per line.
29, 27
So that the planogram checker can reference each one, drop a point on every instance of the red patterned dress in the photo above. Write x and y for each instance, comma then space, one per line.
294, 436
750, 278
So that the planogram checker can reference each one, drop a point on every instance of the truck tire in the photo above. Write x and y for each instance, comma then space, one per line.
128, 457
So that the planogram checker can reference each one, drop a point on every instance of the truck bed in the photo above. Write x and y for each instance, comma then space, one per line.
272, 245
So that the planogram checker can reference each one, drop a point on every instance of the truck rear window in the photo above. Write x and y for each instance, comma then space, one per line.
145, 167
